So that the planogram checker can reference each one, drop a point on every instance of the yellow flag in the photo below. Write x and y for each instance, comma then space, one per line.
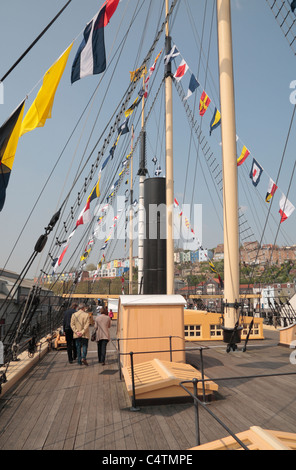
138, 73
41, 108
85, 255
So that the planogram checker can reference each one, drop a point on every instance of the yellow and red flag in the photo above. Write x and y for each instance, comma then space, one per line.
244, 155
204, 103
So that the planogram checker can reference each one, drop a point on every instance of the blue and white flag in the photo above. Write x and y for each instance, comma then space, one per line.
90, 58
172, 55
193, 85
124, 129
256, 172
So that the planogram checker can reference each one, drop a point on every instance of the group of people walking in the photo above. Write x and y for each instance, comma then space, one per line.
76, 328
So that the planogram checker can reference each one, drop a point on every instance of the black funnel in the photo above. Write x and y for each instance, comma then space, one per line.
155, 236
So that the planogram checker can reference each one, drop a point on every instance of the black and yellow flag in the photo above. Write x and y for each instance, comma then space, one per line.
9, 137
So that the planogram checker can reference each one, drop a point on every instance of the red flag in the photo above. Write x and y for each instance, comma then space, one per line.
111, 6
62, 255
181, 70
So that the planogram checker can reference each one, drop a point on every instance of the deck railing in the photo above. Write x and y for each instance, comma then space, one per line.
195, 381
198, 403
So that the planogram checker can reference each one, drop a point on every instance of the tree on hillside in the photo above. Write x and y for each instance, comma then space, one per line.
90, 267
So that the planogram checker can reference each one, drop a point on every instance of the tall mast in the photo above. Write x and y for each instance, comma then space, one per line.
141, 214
169, 165
131, 219
230, 186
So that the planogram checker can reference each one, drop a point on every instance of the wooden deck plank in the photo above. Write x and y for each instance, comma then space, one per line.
61, 434
39, 432
34, 410
24, 403
123, 406
119, 442
90, 430
66, 406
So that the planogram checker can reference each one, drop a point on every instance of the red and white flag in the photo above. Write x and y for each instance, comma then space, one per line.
286, 208
181, 70
85, 215
151, 70
58, 261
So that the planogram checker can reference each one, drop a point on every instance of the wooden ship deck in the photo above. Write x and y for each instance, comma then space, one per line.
62, 406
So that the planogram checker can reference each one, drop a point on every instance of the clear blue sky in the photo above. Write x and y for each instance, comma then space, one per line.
264, 68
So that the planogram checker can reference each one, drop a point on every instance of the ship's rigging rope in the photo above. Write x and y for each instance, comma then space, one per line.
205, 84
68, 141
146, 120
43, 238
92, 102
85, 235
134, 17
246, 233
277, 179
84, 188
34, 42
211, 161
128, 94
87, 231
114, 128
246, 229
286, 20
89, 178
15, 331
194, 107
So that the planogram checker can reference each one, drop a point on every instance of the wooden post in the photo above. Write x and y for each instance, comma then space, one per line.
141, 213
229, 151
131, 219
169, 173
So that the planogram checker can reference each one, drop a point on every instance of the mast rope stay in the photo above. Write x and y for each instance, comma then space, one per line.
34, 42
70, 137
128, 93
90, 228
285, 19
41, 242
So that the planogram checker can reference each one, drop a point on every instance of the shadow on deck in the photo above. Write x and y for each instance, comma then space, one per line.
62, 406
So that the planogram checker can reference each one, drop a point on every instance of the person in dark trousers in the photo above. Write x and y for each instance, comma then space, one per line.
80, 327
102, 328
71, 348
